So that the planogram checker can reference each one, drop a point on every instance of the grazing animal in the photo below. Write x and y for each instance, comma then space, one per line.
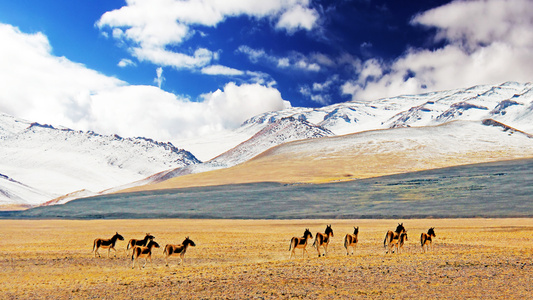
297, 242
106, 244
134, 242
392, 238
350, 240
178, 250
143, 252
425, 239
322, 239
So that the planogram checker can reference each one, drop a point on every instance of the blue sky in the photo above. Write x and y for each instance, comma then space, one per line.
175, 69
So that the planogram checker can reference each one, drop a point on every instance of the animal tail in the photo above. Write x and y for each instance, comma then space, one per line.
385, 241
128, 246
94, 246
314, 243
165, 251
290, 245
422, 239
346, 241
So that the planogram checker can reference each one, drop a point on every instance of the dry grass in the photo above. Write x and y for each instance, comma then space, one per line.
472, 258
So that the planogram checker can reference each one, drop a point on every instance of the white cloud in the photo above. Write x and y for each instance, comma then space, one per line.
162, 57
298, 17
159, 79
221, 70
150, 26
487, 42
295, 60
38, 86
235, 104
125, 62
321, 92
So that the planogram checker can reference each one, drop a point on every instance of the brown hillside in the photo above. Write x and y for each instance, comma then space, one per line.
364, 155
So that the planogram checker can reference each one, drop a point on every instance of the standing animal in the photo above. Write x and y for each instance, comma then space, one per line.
425, 239
350, 240
178, 250
403, 239
322, 239
392, 238
134, 242
143, 252
106, 244
300, 242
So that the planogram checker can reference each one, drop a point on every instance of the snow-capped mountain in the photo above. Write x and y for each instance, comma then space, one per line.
281, 131
41, 162
510, 103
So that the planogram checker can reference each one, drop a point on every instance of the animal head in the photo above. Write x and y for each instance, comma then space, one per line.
431, 232
404, 235
118, 236
400, 228
153, 243
355, 230
329, 230
308, 233
149, 237
188, 241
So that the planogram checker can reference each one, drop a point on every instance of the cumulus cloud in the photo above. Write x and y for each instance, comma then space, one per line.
298, 17
150, 26
39, 86
485, 42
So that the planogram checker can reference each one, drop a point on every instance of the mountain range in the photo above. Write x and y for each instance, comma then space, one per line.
345, 141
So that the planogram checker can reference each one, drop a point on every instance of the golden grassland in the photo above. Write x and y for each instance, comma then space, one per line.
471, 258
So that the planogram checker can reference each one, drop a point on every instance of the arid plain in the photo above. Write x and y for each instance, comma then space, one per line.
471, 258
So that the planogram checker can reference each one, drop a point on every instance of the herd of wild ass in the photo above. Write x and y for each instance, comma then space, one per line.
142, 248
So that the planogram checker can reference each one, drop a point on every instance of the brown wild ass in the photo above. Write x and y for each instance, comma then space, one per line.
350, 240
143, 252
297, 242
106, 244
178, 250
425, 239
392, 238
402, 240
134, 242
322, 239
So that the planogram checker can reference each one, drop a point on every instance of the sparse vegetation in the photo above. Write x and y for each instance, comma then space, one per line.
470, 258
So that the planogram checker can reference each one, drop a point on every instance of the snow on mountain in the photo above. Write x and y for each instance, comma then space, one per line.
370, 154
40, 162
49, 162
509, 103
281, 131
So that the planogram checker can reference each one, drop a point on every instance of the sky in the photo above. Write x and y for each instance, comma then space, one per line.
172, 70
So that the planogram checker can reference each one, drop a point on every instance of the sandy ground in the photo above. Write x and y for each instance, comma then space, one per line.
471, 258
